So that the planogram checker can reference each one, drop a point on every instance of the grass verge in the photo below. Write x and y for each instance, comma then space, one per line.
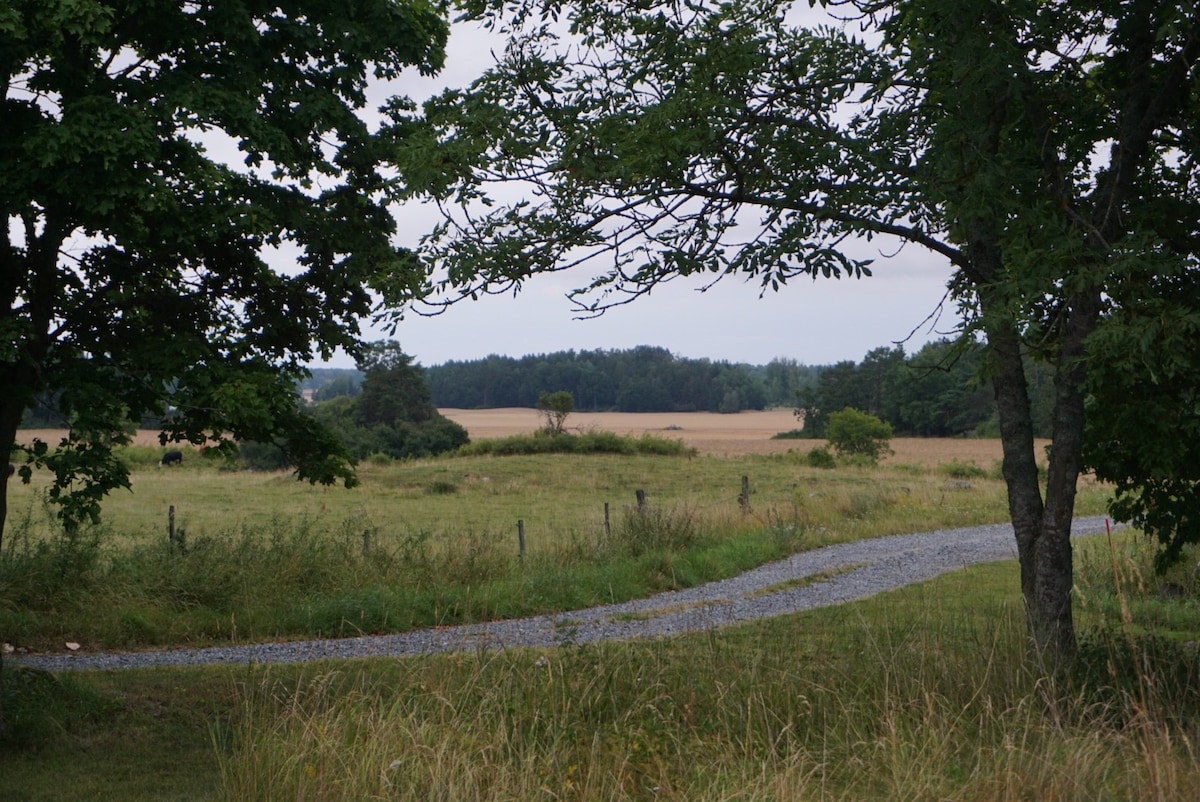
920, 693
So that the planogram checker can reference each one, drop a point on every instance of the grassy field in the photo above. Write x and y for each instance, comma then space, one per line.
434, 542
921, 693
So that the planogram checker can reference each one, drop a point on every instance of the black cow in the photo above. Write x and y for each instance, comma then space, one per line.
171, 458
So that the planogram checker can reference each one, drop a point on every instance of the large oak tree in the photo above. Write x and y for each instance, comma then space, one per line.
1045, 149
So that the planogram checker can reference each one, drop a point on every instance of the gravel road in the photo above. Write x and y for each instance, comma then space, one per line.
863, 568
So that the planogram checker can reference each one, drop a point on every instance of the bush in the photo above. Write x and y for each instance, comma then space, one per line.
593, 442
820, 458
262, 456
400, 439
853, 433
962, 470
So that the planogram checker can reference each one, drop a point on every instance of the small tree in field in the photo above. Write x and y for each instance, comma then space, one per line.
852, 433
555, 407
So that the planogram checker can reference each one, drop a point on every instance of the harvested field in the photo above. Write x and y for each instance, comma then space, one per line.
719, 435
710, 433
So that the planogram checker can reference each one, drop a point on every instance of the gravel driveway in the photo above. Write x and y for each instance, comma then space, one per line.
857, 569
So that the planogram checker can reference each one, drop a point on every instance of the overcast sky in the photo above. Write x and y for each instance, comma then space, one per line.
814, 323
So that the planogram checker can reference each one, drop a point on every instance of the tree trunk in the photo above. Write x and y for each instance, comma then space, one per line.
11, 411
17, 381
1053, 625
1041, 583
1042, 525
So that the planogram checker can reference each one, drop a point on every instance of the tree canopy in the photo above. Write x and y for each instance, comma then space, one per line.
644, 378
1045, 150
554, 408
195, 207
393, 414
855, 433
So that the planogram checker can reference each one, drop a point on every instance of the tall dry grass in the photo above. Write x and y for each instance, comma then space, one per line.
920, 694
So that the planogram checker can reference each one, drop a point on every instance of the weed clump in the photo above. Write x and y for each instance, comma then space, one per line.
648, 529
957, 469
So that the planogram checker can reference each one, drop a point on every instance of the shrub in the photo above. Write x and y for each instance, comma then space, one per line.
853, 433
820, 458
593, 442
662, 446
962, 470
258, 456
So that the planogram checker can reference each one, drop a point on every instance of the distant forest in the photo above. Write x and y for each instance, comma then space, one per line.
936, 392
642, 379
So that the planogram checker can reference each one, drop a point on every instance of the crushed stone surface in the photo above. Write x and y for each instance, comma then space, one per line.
839, 573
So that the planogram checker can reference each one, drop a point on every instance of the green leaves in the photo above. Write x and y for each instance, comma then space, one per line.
194, 208
1143, 432
852, 433
667, 140
1044, 149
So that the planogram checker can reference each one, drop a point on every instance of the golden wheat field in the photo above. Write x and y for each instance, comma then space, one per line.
712, 434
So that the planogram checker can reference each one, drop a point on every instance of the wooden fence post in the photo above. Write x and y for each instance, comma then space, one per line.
366, 543
521, 540
171, 528
641, 500
744, 497
607, 525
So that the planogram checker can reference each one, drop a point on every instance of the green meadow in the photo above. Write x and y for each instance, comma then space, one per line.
920, 693
438, 542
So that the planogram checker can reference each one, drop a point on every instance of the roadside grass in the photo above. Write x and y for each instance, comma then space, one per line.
1120, 596
919, 693
434, 542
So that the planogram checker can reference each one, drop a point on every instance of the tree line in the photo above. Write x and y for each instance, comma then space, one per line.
942, 390
939, 391
642, 379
